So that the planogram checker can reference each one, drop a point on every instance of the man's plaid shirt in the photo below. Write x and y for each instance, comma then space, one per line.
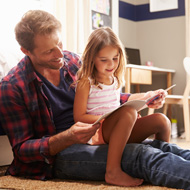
26, 117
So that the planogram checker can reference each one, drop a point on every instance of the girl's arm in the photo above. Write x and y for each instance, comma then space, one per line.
156, 104
80, 104
149, 94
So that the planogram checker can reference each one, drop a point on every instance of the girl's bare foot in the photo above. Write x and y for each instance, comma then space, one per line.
120, 178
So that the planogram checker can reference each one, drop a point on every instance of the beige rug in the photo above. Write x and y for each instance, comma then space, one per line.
10, 182
15, 183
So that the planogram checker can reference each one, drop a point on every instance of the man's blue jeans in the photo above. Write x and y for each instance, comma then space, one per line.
158, 163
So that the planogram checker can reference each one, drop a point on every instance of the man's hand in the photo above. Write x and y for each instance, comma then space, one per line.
80, 133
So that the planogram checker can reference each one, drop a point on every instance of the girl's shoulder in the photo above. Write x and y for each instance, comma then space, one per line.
83, 83
116, 82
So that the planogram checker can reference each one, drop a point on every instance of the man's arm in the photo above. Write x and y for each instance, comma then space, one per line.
79, 133
27, 139
29, 142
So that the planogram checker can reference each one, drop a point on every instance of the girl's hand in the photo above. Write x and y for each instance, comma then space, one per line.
159, 101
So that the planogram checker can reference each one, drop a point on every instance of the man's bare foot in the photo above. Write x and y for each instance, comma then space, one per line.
120, 178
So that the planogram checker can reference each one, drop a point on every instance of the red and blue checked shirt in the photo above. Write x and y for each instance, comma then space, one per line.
26, 117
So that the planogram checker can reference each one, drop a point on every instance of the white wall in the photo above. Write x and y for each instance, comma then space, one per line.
5, 150
161, 41
115, 16
128, 33
136, 2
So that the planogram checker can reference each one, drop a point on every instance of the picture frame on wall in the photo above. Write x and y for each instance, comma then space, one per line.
101, 13
163, 5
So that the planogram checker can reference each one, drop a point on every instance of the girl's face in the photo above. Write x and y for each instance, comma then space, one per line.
106, 62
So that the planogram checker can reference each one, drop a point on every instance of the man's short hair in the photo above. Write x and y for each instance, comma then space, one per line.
32, 23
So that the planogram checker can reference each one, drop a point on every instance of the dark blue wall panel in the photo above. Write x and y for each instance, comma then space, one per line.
142, 12
127, 11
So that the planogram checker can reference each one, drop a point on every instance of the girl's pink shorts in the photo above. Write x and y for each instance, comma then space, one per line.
98, 137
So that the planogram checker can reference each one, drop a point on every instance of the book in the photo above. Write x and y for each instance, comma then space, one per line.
137, 104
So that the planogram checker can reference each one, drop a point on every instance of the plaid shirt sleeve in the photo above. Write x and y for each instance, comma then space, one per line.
124, 97
13, 112
72, 64
26, 117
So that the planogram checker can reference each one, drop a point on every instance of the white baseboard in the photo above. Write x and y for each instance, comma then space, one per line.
5, 151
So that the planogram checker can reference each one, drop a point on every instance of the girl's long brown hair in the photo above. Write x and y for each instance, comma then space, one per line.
99, 39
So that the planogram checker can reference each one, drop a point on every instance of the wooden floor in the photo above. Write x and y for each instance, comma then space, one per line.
179, 140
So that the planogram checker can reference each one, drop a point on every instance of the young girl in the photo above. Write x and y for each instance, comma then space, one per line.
98, 92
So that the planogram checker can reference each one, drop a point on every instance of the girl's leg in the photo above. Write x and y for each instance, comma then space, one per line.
116, 131
156, 124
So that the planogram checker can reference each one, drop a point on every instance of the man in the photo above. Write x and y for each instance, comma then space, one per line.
36, 112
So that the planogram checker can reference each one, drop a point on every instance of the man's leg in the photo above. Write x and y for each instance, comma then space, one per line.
173, 148
83, 162
159, 163
87, 162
